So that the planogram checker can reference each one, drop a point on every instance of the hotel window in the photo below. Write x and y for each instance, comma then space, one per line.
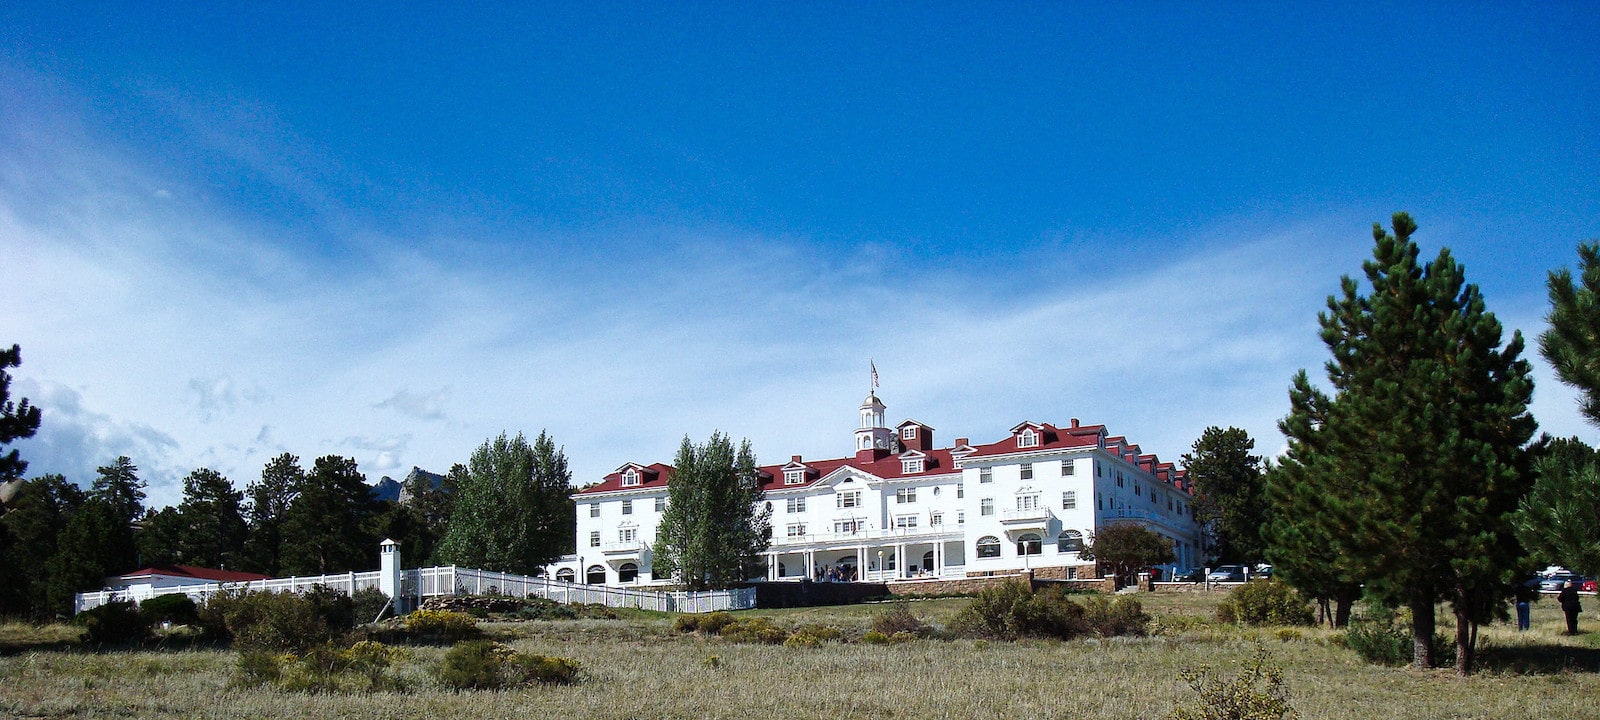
911, 466
961, 491
908, 432
1070, 541
848, 499
1027, 471
961, 517
1119, 478
594, 538
905, 495
1068, 469
905, 521
630, 479
847, 527
628, 535
986, 506
1069, 500
1030, 544
594, 509
795, 505
627, 507
1099, 501
988, 547
1027, 502
986, 475
661, 504
1169, 504
1028, 438
795, 530
936, 518
794, 477
1136, 489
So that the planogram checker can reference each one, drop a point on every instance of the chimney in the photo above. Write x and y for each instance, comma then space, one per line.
960, 442
794, 458
1074, 422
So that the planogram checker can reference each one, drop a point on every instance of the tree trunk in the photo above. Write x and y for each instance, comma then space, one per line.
1463, 641
1341, 610
1422, 627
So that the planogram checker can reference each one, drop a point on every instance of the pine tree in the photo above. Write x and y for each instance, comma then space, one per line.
120, 490
17, 420
160, 538
715, 527
1572, 343
1228, 494
1422, 440
327, 527
512, 512
270, 498
1299, 535
1557, 520
40, 514
213, 520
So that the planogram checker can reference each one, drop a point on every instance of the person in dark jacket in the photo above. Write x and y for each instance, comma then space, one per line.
1568, 597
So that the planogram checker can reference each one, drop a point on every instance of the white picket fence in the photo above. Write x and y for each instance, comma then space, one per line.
452, 580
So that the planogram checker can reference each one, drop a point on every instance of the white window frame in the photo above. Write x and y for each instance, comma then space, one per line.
627, 507
795, 530
904, 496
986, 475
1026, 471
1069, 500
846, 527
661, 504
905, 521
630, 478
1028, 502
908, 432
935, 518
988, 541
594, 509
961, 517
627, 535
961, 490
1028, 438
1068, 468
795, 505
912, 465
594, 538
794, 477
847, 499
986, 507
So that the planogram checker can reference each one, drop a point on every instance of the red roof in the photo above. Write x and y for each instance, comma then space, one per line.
198, 573
888, 466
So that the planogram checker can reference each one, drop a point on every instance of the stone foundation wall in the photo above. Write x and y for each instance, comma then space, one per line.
954, 586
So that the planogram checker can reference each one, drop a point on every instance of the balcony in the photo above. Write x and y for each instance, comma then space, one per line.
867, 537
631, 548
1031, 518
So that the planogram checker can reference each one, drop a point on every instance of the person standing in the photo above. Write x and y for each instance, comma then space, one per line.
1568, 597
1527, 592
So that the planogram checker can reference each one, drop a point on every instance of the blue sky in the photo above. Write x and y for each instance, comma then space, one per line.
391, 232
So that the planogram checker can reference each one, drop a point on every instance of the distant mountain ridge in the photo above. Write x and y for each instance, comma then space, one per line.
387, 489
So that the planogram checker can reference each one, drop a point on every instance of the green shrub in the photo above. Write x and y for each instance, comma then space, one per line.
487, 665
177, 609
821, 632
366, 603
260, 667
873, 637
713, 623
114, 623
1287, 634
1115, 618
899, 619
754, 631
686, 624
1013, 610
267, 620
542, 609
1379, 642
444, 625
328, 668
597, 611
1256, 693
336, 608
1265, 602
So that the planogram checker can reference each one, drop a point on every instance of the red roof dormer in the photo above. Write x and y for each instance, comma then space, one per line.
914, 435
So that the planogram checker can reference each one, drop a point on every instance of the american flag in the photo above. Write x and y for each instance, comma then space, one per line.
874, 372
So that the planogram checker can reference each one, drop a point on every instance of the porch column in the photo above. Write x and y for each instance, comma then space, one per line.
938, 558
900, 560
861, 562
811, 564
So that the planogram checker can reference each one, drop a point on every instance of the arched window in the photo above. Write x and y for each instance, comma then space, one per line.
629, 572
596, 575
565, 575
988, 547
783, 570
1030, 544
1071, 541
927, 560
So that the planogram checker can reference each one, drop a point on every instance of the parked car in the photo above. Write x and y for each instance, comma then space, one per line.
1589, 586
1264, 571
1554, 582
1192, 576
1227, 573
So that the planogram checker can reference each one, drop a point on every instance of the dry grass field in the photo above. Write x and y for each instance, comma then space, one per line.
637, 668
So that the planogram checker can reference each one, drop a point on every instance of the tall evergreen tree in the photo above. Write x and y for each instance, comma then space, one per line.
18, 419
270, 498
1572, 343
94, 544
327, 528
1558, 520
41, 510
1422, 440
1228, 497
1299, 534
213, 521
160, 538
118, 488
715, 527
513, 511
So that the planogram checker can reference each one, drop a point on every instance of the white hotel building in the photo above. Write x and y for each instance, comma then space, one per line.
902, 509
